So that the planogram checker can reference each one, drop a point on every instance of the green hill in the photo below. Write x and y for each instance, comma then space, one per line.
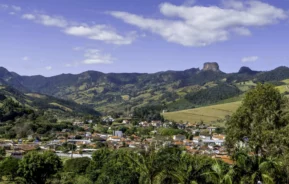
38, 102
123, 92
215, 113
206, 114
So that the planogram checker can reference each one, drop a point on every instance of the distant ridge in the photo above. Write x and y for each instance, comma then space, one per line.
122, 92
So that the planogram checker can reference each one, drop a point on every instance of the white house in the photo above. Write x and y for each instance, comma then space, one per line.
179, 137
114, 138
118, 133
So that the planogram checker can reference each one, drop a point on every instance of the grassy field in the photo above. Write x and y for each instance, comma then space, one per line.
61, 106
284, 88
213, 113
207, 114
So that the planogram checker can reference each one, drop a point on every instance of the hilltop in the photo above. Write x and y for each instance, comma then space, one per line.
123, 92
40, 102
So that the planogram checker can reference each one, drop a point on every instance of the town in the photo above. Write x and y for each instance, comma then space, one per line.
197, 138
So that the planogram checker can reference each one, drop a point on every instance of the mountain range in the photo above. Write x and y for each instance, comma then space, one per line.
122, 92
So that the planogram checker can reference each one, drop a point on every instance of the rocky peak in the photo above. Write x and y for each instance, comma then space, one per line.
211, 67
246, 70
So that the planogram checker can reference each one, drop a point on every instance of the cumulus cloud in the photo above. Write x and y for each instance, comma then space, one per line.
94, 32
189, 2
100, 33
73, 64
250, 59
204, 25
28, 16
16, 8
48, 68
94, 56
77, 48
12, 8
4, 6
46, 20
25, 58
242, 31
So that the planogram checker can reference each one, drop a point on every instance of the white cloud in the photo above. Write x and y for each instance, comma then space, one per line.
250, 59
242, 31
4, 6
48, 68
233, 4
74, 64
25, 58
28, 16
204, 25
12, 8
46, 20
95, 32
94, 56
100, 33
77, 48
189, 2
16, 8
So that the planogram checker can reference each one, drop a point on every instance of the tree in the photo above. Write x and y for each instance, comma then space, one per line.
251, 169
155, 165
77, 165
261, 116
99, 158
37, 167
9, 167
118, 169
220, 174
191, 169
2, 152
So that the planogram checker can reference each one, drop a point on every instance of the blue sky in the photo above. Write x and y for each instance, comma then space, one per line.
51, 37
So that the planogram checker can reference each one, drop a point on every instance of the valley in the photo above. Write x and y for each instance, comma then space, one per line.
123, 92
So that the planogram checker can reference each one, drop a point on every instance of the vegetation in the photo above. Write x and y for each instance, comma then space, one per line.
37, 168
260, 121
34, 101
207, 114
123, 93
167, 165
256, 128
148, 113
213, 94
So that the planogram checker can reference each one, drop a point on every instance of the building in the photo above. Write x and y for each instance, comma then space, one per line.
179, 137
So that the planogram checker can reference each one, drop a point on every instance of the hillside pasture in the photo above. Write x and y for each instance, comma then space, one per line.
206, 114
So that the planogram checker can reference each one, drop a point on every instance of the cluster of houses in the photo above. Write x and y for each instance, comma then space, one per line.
204, 141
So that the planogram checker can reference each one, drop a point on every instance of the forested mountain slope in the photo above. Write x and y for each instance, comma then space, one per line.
123, 92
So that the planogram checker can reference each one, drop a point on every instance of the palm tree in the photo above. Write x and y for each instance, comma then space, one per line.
155, 166
147, 166
220, 174
251, 169
191, 168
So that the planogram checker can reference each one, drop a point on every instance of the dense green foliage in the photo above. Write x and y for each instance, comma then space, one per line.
278, 74
77, 165
164, 166
9, 168
125, 91
37, 168
148, 113
260, 121
213, 94
42, 102
170, 131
